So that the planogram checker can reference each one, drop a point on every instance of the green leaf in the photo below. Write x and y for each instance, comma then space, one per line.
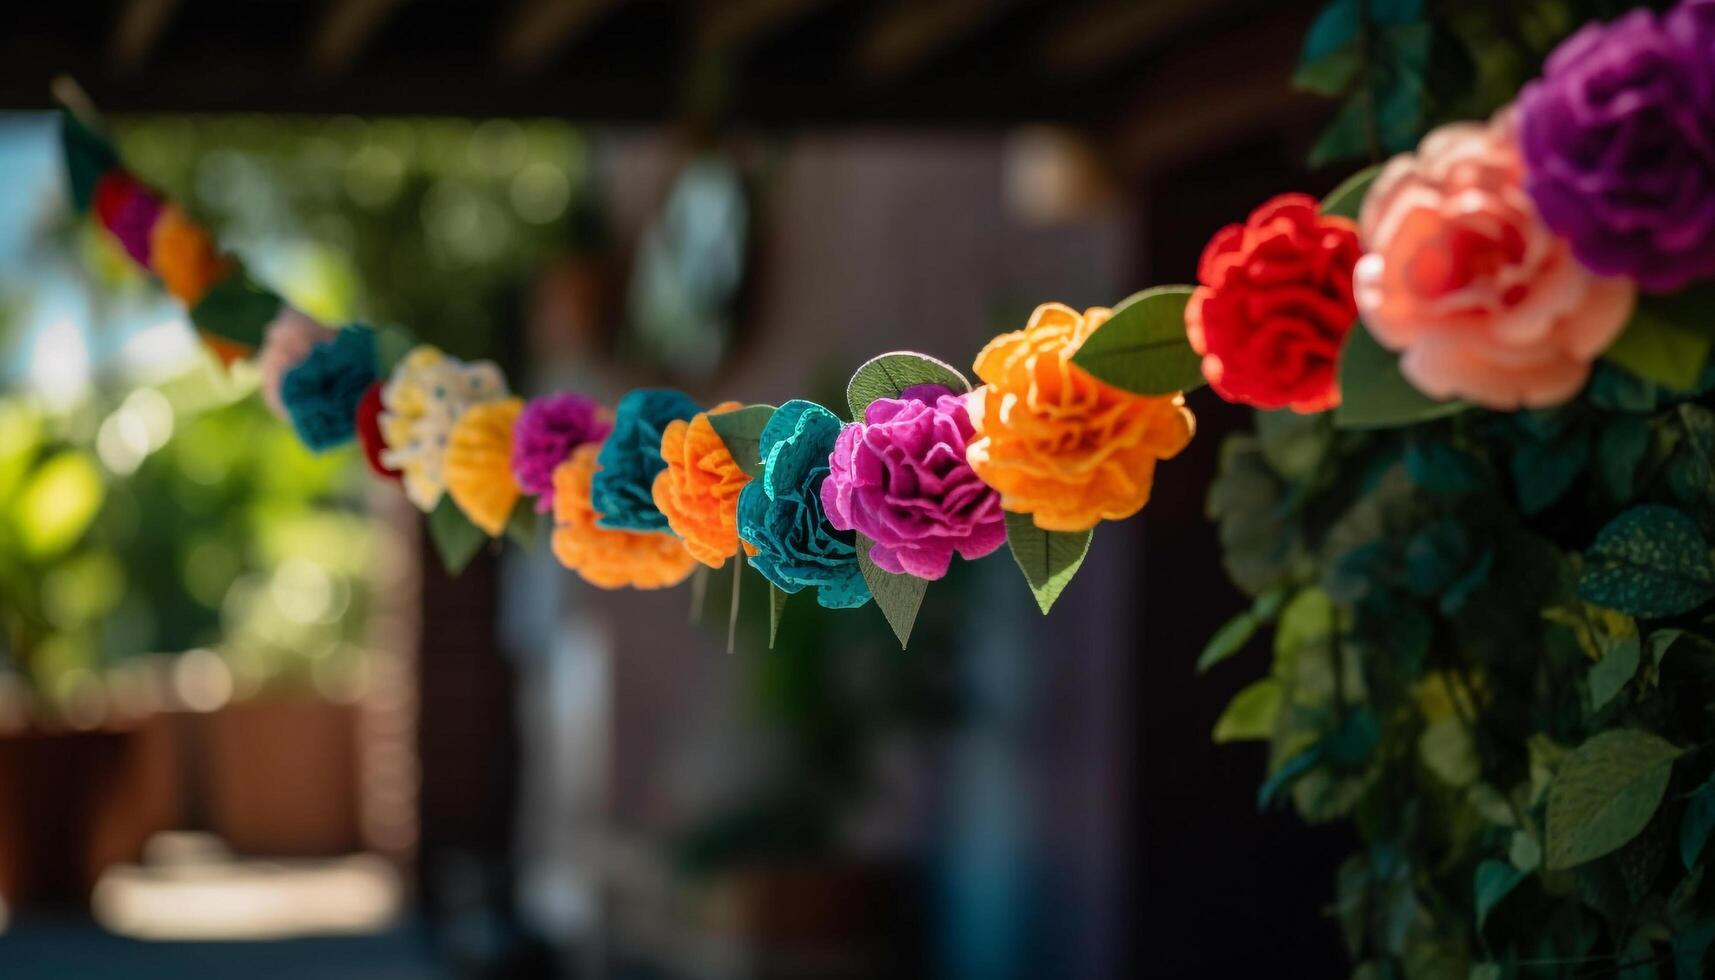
1650, 561
1691, 948
898, 596
1662, 641
741, 431
1228, 640
1345, 201
88, 156
1289, 772
1669, 338
1251, 714
1373, 394
886, 375
523, 526
1619, 449
1524, 852
1609, 675
456, 539
1605, 793
392, 343
1048, 559
1447, 751
776, 608
1543, 470
1331, 76
1495, 880
237, 308
1142, 348
1698, 821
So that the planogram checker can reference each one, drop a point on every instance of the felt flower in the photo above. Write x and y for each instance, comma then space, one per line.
321, 393
1619, 145
426, 394
623, 490
1275, 305
604, 557
369, 432
548, 431
184, 257
901, 479
1058, 444
285, 343
698, 491
128, 210
781, 513
1462, 277
227, 352
478, 466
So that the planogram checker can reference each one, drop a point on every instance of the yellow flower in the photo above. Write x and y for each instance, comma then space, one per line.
426, 394
479, 464
184, 257
698, 491
603, 557
1058, 444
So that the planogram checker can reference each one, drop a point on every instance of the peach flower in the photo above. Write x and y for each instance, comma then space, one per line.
1057, 443
698, 491
286, 341
1462, 277
184, 257
604, 557
478, 465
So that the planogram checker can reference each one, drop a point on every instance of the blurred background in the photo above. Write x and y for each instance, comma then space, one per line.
247, 725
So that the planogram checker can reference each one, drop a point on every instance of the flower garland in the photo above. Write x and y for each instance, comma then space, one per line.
1491, 266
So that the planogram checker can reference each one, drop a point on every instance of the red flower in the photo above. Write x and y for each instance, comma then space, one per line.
1275, 305
369, 432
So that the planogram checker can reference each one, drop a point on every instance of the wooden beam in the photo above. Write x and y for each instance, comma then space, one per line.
538, 30
733, 25
140, 25
346, 28
1103, 34
912, 32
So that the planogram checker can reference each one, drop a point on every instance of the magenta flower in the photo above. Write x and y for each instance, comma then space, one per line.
900, 478
547, 431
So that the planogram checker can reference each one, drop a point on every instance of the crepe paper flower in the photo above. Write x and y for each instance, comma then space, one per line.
129, 211
1619, 145
479, 463
184, 257
547, 432
698, 491
369, 432
901, 479
285, 343
1461, 276
603, 557
1275, 305
781, 513
425, 395
321, 393
1060, 445
631, 459
227, 352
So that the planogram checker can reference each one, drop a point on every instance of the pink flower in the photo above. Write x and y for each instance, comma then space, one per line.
285, 343
1462, 276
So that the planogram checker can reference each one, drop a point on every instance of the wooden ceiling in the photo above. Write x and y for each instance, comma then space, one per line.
771, 62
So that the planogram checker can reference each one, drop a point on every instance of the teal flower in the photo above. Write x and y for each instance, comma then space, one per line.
781, 513
321, 394
623, 489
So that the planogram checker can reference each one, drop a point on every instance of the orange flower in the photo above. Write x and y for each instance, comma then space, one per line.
227, 352
1058, 444
603, 557
478, 464
184, 256
698, 491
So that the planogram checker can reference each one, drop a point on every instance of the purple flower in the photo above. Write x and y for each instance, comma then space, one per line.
1619, 140
546, 433
900, 478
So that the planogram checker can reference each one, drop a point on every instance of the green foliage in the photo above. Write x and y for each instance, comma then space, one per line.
1048, 559
1142, 348
1496, 664
899, 597
1373, 394
886, 375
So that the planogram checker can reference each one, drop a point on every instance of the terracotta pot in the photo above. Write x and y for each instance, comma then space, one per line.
73, 804
282, 777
